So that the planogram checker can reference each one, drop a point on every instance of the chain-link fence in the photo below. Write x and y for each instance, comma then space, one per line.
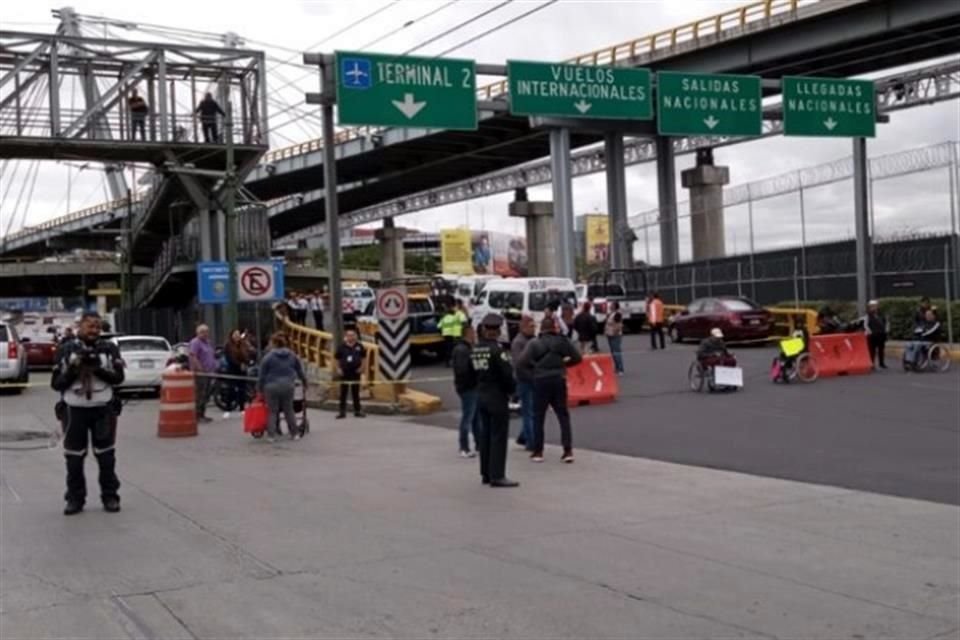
796, 228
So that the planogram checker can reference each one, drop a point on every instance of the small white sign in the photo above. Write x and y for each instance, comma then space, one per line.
728, 376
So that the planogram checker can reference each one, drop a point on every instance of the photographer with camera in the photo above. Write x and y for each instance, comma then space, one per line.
86, 371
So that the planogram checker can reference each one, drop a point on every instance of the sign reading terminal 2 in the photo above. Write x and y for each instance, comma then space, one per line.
406, 91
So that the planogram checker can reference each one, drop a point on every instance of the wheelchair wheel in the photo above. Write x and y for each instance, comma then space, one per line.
938, 358
696, 376
805, 368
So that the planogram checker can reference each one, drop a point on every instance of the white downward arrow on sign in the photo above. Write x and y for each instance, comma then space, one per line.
711, 122
408, 107
583, 106
829, 123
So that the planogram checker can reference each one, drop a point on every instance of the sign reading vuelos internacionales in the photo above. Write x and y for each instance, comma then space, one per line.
828, 107
708, 104
540, 88
406, 91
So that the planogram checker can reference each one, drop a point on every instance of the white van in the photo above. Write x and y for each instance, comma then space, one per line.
513, 297
470, 287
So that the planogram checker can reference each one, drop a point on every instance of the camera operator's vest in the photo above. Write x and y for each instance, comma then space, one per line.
88, 390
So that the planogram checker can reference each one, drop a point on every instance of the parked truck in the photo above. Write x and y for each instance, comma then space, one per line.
626, 286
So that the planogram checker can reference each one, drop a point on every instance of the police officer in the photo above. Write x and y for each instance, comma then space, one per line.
86, 371
495, 385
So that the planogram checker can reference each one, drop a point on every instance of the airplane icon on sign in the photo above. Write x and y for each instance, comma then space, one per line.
356, 73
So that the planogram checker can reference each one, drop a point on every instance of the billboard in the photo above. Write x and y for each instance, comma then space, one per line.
597, 239
456, 251
469, 252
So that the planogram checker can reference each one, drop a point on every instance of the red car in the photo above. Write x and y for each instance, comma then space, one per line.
740, 319
39, 354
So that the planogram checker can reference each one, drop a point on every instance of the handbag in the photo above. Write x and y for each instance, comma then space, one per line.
255, 416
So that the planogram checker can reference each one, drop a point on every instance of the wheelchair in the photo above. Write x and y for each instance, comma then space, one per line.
702, 372
802, 367
933, 357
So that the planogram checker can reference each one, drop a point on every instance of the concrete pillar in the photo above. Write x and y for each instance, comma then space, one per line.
621, 236
391, 257
705, 182
667, 196
538, 217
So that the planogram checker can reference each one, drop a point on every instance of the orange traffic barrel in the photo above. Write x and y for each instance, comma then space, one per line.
178, 405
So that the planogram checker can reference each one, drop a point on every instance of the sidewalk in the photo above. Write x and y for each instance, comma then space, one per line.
375, 528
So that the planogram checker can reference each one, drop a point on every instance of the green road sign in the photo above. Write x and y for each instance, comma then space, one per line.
828, 107
544, 89
708, 104
406, 91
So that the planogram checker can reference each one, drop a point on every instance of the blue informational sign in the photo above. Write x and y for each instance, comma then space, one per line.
213, 282
256, 282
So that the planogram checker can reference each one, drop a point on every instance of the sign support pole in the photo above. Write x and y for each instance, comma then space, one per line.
562, 201
230, 234
621, 246
329, 86
864, 246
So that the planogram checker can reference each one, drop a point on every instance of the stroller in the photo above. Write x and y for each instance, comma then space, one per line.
257, 415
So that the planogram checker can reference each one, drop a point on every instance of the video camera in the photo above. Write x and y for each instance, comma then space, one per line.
86, 356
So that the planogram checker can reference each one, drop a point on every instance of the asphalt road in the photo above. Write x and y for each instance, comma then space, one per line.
889, 432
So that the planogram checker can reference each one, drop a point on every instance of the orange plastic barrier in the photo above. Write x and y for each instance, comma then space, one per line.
178, 406
840, 354
593, 381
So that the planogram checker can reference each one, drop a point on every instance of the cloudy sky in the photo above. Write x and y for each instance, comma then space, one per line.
562, 29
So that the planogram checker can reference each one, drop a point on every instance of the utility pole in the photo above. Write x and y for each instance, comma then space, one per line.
230, 240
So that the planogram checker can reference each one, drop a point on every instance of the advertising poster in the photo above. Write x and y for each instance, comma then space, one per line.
456, 251
467, 252
598, 239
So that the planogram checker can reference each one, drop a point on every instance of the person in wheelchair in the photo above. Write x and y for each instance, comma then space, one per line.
925, 333
713, 352
790, 350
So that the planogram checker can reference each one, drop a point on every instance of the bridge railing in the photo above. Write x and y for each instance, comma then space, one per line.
171, 78
660, 42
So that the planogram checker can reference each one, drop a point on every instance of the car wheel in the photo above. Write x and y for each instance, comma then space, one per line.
675, 336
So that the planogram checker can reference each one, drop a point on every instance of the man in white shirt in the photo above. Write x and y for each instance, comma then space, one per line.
316, 306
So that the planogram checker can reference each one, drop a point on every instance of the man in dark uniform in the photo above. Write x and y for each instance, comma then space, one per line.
86, 371
495, 385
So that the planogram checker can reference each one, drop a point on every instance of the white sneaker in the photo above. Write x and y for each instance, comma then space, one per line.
468, 454
226, 415
296, 437
271, 439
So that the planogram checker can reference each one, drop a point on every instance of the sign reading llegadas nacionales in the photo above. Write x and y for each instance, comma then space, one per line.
829, 107
708, 104
581, 91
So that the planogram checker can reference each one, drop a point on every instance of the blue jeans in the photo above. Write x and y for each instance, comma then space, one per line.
616, 349
525, 393
469, 418
914, 350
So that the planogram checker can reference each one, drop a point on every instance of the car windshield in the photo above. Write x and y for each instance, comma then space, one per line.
358, 293
739, 305
143, 344
506, 299
540, 299
419, 306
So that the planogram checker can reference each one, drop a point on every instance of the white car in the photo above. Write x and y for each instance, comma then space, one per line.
144, 359
13, 358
